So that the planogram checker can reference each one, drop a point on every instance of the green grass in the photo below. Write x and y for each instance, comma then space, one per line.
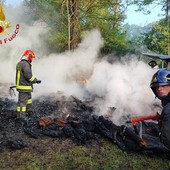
61, 155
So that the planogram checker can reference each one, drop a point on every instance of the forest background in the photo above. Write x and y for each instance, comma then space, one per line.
69, 20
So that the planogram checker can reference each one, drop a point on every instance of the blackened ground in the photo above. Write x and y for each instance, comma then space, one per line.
81, 125
17, 133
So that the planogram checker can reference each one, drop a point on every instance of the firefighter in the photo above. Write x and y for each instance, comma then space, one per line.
160, 85
24, 83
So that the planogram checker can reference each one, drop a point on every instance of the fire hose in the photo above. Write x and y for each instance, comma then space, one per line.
11, 90
139, 119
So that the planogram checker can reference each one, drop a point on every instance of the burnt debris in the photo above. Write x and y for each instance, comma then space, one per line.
74, 119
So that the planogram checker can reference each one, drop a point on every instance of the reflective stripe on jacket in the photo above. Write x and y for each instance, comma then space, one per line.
24, 77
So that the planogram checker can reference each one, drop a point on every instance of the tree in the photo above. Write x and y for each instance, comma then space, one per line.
163, 30
70, 9
74, 17
107, 16
157, 40
143, 5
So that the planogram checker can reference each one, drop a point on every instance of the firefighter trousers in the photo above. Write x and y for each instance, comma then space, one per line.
24, 102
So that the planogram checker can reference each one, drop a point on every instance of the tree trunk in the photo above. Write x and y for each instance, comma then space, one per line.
116, 9
68, 20
74, 24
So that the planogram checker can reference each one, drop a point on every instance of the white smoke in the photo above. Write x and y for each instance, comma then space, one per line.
123, 85
64, 72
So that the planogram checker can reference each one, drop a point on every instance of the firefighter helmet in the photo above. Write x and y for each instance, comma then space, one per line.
160, 78
29, 54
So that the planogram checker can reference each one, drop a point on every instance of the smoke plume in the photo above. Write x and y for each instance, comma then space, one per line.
121, 84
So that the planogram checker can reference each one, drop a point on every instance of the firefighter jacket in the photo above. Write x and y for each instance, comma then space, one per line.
165, 122
24, 77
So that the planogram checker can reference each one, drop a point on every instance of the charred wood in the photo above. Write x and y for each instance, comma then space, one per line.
53, 133
16, 144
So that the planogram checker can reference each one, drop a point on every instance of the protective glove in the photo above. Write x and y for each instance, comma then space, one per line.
38, 81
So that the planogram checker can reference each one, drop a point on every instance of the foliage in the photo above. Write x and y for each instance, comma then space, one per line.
107, 16
104, 17
157, 40
143, 5
135, 36
50, 13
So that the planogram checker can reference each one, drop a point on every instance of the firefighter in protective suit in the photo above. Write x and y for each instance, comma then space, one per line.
160, 85
24, 83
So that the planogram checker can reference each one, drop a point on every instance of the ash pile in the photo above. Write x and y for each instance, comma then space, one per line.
75, 119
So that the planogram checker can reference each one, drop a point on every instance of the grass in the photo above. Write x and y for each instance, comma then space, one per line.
57, 154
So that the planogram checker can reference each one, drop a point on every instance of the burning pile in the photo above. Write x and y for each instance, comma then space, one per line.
74, 119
